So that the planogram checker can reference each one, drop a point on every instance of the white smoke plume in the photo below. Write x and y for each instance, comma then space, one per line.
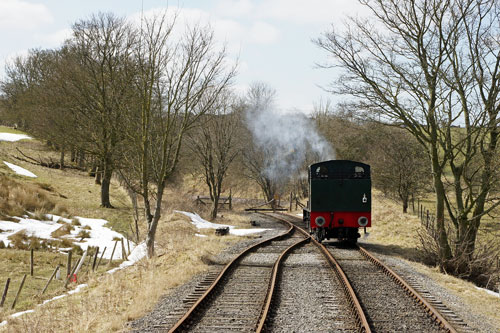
288, 140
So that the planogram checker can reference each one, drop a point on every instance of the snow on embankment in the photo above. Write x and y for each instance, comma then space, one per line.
20, 171
204, 224
99, 235
11, 137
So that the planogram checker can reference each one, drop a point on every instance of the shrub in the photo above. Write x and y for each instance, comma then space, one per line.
83, 234
19, 240
65, 229
2, 245
87, 227
75, 221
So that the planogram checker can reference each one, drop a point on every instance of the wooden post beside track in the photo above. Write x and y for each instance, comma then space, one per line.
4, 295
18, 292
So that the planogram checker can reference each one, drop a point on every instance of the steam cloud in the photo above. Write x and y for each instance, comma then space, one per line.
287, 140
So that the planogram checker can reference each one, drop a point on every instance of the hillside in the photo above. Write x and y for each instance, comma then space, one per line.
112, 300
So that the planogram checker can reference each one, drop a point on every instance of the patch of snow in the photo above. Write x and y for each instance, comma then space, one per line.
41, 229
299, 214
11, 137
204, 224
77, 289
489, 292
53, 299
200, 235
137, 254
20, 171
21, 313
99, 235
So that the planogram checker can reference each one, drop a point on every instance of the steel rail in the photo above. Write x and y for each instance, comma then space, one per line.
347, 287
428, 307
186, 320
431, 310
273, 282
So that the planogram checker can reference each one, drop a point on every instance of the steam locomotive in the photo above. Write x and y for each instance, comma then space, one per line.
339, 200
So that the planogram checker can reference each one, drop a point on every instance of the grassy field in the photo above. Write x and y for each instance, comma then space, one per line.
70, 192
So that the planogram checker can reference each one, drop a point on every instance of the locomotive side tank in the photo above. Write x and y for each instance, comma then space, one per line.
339, 199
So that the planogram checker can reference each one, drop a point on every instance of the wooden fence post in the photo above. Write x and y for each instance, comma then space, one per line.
102, 255
31, 261
112, 253
18, 292
95, 258
124, 253
230, 199
72, 272
4, 295
50, 279
68, 265
427, 219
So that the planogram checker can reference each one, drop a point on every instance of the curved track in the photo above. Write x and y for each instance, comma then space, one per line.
382, 293
239, 297
244, 296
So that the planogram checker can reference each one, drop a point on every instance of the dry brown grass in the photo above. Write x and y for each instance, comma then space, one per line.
65, 229
396, 233
112, 301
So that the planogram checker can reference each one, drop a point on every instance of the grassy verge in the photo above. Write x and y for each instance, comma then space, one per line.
16, 263
395, 233
113, 300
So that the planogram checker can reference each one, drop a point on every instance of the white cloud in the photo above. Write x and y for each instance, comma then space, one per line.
311, 11
55, 39
229, 30
234, 8
263, 33
22, 15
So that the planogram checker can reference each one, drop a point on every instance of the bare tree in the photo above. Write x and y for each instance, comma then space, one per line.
213, 144
400, 165
96, 76
177, 83
426, 66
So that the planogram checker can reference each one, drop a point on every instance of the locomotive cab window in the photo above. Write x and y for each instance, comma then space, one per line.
359, 172
322, 172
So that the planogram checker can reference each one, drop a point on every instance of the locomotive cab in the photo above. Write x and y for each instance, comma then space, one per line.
339, 199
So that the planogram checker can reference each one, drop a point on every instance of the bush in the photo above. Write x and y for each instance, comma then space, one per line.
478, 267
65, 229
2, 245
83, 234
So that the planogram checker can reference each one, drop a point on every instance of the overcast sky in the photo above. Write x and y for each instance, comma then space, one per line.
270, 38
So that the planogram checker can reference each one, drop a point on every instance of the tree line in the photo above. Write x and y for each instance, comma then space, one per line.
124, 95
428, 66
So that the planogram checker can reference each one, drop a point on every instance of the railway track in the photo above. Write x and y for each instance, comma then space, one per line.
389, 303
239, 297
255, 293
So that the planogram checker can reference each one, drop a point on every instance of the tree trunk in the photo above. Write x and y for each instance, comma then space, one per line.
61, 162
106, 181
81, 158
215, 207
153, 222
405, 205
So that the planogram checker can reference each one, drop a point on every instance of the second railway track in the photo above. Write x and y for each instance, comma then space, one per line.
390, 304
